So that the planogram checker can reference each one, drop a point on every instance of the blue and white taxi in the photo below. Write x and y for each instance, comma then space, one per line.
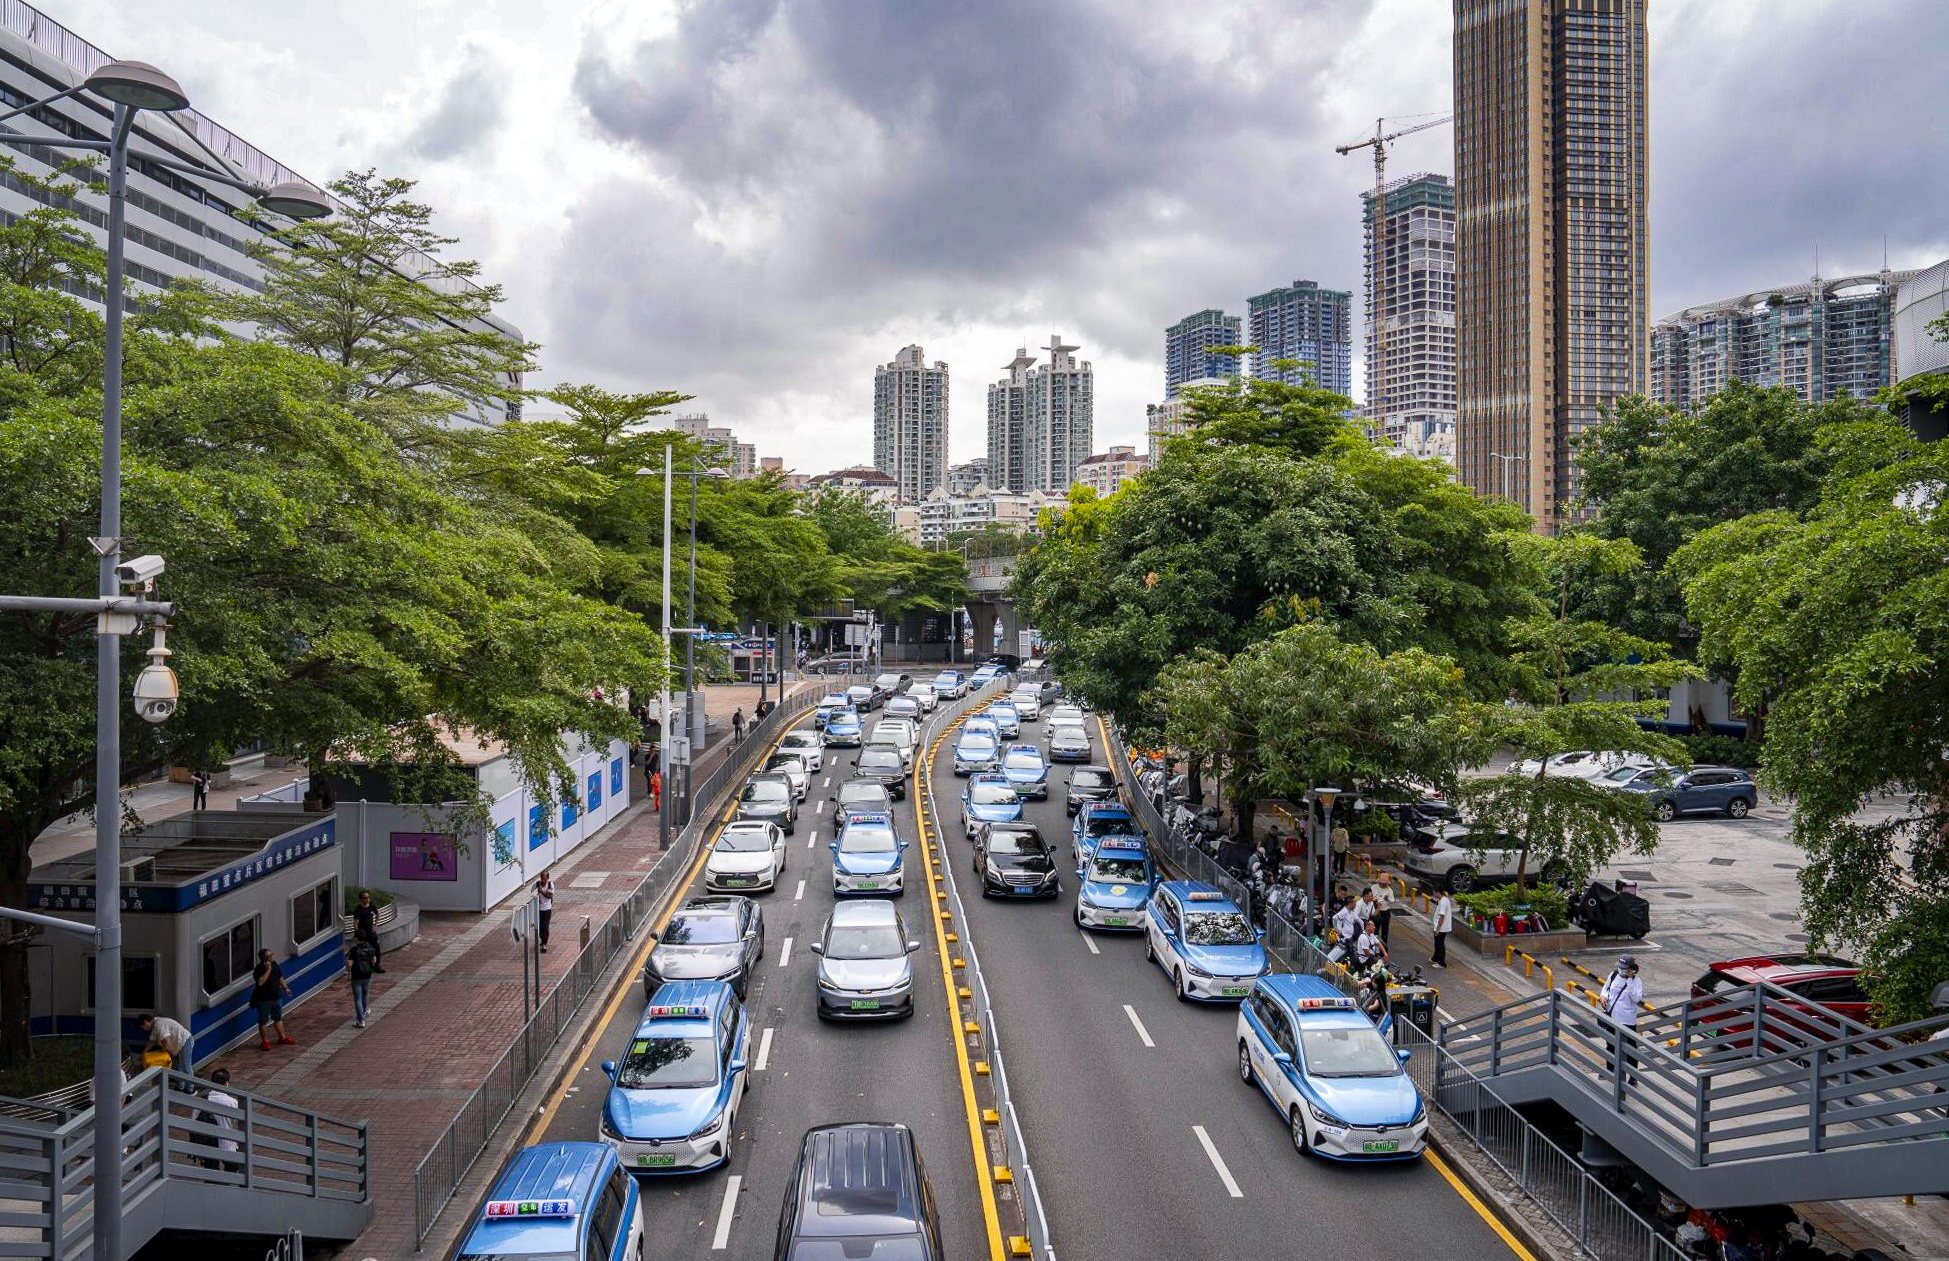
1203, 941
1320, 1061
1098, 819
843, 729
867, 857
559, 1202
989, 798
1115, 881
1007, 720
1027, 770
674, 1096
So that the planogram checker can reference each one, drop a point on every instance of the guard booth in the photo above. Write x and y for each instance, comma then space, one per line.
202, 893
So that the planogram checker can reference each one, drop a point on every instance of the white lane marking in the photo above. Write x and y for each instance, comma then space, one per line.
1088, 941
1217, 1162
764, 1051
785, 952
800, 893
812, 840
725, 1214
821, 807
1143, 1034
826, 782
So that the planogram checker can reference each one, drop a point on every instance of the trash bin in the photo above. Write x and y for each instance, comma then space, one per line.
1413, 1004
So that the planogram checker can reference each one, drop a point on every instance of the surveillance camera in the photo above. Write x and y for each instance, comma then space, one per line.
156, 691
137, 572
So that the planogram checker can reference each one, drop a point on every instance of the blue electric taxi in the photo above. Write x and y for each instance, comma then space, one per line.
843, 729
867, 857
1203, 942
558, 1202
982, 724
1025, 768
674, 1096
1342, 1090
989, 798
976, 751
1008, 720
1116, 880
1098, 819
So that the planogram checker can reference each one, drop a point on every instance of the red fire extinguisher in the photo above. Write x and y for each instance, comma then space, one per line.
1502, 922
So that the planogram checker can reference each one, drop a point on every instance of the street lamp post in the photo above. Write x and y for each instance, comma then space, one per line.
131, 87
1507, 460
695, 471
1322, 846
676, 735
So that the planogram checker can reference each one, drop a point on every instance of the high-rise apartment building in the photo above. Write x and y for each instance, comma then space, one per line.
1188, 345
964, 477
1309, 325
910, 423
1820, 340
1008, 466
1058, 417
1166, 420
1412, 403
1550, 243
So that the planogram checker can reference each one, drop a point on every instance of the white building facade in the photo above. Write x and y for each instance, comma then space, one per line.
1411, 394
910, 416
1107, 472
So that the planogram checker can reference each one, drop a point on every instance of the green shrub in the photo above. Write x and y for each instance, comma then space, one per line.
1547, 899
1718, 750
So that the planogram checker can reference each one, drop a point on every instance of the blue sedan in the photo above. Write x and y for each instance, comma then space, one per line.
1025, 768
1341, 1089
1116, 881
989, 798
673, 1098
867, 857
843, 729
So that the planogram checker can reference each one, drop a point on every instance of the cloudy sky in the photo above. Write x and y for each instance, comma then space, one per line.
755, 201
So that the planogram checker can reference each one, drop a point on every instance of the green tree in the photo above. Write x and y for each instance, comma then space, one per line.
1839, 616
876, 566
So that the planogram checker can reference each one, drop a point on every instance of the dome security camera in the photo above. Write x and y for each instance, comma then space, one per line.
156, 691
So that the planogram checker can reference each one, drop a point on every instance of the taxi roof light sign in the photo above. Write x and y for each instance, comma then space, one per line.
502, 1209
1325, 1004
1205, 895
869, 816
1127, 843
677, 1011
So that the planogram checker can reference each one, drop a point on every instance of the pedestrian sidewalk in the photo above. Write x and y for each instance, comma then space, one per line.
445, 1009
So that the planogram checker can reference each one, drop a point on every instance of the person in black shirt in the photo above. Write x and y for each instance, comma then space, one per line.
365, 925
267, 995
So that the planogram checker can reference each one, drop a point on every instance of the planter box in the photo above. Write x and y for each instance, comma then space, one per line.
1541, 945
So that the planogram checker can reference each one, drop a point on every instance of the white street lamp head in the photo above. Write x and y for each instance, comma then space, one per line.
295, 201
156, 692
138, 85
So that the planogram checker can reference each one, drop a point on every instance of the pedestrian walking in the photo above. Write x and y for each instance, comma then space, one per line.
656, 790
365, 926
1444, 925
1342, 842
1619, 1000
218, 1094
1383, 906
199, 790
171, 1036
267, 995
545, 901
361, 961
737, 726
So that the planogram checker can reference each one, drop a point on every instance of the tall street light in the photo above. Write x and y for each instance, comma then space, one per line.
130, 87
1322, 845
676, 741
696, 470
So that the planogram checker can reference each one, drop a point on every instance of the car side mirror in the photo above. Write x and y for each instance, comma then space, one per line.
1261, 933
833, 846
818, 948
750, 933
609, 1069
1403, 1054
655, 935
737, 1063
904, 844
1282, 1059
912, 946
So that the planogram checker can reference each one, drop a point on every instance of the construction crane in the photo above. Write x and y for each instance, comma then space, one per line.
1377, 278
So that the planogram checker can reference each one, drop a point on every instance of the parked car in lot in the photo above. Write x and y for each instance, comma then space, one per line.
1830, 986
1720, 789
1580, 763
1449, 857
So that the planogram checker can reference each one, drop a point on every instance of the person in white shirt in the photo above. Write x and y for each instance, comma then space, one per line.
1368, 949
1383, 906
1622, 993
1346, 923
1444, 925
217, 1095
171, 1036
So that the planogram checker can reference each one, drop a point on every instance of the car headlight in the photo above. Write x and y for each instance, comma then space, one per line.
1420, 1112
708, 1128
1197, 971
1326, 1118
1083, 899
609, 1130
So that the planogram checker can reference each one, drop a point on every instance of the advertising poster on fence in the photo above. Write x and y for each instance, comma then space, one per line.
424, 856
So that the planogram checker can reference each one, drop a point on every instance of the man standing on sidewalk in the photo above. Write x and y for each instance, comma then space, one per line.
737, 726
1444, 925
545, 905
199, 790
365, 926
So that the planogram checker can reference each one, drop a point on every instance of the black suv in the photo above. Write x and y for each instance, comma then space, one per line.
859, 1190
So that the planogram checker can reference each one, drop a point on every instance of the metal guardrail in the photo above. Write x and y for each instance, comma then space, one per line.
1602, 1225
174, 1136
447, 1161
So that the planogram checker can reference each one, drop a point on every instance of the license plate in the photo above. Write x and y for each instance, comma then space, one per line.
1116, 921
1378, 1146
866, 884
1025, 888
1236, 991
655, 1162
737, 882
866, 1004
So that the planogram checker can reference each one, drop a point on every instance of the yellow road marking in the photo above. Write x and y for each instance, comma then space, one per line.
984, 1175
1481, 1209
546, 1116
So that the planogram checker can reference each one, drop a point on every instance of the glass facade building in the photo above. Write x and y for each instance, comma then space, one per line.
910, 423
1550, 237
1188, 344
1309, 325
1412, 404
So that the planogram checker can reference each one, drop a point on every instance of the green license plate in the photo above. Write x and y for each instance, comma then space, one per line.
866, 884
866, 1004
655, 1162
1236, 991
1116, 921
1380, 1145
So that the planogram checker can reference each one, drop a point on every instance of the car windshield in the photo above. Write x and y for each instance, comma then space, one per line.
744, 841
667, 1063
1069, 735
701, 930
788, 762
835, 702
879, 760
765, 790
843, 718
1023, 760
1625, 774
1108, 825
977, 744
1118, 870
864, 941
1027, 844
993, 795
1218, 928
1089, 779
799, 740
854, 793
1349, 1052
866, 840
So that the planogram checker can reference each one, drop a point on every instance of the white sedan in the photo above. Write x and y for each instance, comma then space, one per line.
748, 855
1579, 764
809, 745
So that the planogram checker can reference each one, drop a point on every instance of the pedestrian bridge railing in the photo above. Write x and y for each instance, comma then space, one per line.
188, 1163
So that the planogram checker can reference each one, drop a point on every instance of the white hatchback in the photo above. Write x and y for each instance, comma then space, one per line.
747, 856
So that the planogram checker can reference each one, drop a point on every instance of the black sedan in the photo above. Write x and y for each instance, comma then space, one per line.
1014, 861
769, 799
880, 764
1089, 783
708, 939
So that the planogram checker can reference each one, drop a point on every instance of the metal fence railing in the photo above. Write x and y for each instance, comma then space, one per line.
447, 1161
1602, 1225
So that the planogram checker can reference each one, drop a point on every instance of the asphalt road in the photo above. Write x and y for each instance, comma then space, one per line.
807, 1072
1144, 1140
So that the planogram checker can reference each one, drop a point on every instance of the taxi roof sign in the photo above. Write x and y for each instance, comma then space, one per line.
1205, 895
677, 1011
1325, 1004
1129, 843
869, 816
503, 1209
